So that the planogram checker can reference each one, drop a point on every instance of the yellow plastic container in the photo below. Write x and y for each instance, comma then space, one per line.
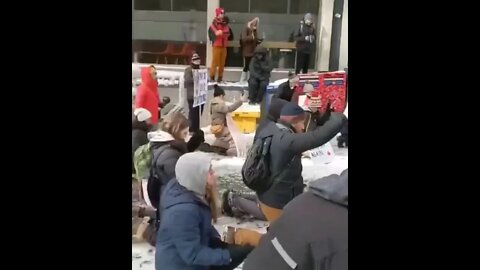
246, 121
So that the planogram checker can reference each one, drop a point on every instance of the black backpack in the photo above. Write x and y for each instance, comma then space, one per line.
156, 182
256, 170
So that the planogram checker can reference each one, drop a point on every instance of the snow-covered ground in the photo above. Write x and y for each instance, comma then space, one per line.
167, 78
143, 255
227, 170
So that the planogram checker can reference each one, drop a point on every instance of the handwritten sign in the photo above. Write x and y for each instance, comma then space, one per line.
200, 87
323, 154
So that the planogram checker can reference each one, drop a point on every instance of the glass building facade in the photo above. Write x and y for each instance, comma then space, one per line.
167, 31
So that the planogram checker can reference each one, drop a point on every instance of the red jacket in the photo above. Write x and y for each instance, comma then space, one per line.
221, 40
147, 94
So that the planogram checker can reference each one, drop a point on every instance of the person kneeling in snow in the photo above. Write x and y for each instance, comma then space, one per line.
260, 71
223, 139
319, 241
186, 237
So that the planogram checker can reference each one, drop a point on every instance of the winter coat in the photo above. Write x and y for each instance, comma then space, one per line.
188, 82
165, 153
147, 95
218, 113
139, 137
249, 41
319, 241
286, 152
274, 110
284, 91
185, 232
311, 120
221, 40
303, 45
261, 69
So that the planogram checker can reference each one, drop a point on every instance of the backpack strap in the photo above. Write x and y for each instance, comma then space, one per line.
156, 154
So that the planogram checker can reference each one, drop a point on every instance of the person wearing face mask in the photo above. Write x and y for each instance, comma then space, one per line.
186, 238
147, 93
260, 70
193, 112
305, 43
248, 43
219, 34
167, 145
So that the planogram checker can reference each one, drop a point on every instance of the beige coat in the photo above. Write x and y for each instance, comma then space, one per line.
218, 113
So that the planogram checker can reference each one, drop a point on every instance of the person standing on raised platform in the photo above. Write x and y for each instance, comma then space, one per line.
248, 43
260, 71
219, 34
305, 43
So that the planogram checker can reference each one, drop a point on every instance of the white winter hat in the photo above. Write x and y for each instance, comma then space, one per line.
142, 114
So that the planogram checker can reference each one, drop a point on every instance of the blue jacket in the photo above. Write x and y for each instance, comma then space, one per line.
185, 232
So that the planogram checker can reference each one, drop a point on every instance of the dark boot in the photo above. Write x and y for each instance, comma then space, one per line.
212, 79
226, 209
220, 79
340, 142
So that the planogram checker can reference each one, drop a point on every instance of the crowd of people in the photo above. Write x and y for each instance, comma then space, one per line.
257, 65
173, 176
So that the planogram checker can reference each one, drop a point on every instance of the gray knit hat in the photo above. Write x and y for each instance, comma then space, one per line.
192, 171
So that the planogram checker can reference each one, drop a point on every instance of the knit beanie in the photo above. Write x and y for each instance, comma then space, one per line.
219, 11
292, 113
192, 171
142, 114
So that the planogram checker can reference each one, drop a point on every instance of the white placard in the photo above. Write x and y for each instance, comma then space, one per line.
200, 87
323, 154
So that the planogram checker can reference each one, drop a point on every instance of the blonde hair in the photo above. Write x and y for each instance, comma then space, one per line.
174, 124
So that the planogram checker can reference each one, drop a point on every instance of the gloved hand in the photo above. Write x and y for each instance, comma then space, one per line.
237, 251
307, 38
322, 118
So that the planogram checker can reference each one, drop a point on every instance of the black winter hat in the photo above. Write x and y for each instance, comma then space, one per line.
218, 91
292, 109
276, 106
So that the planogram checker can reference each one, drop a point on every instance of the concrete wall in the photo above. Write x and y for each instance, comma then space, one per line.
164, 25
344, 41
192, 26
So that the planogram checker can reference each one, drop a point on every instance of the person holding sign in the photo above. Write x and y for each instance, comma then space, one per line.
288, 143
